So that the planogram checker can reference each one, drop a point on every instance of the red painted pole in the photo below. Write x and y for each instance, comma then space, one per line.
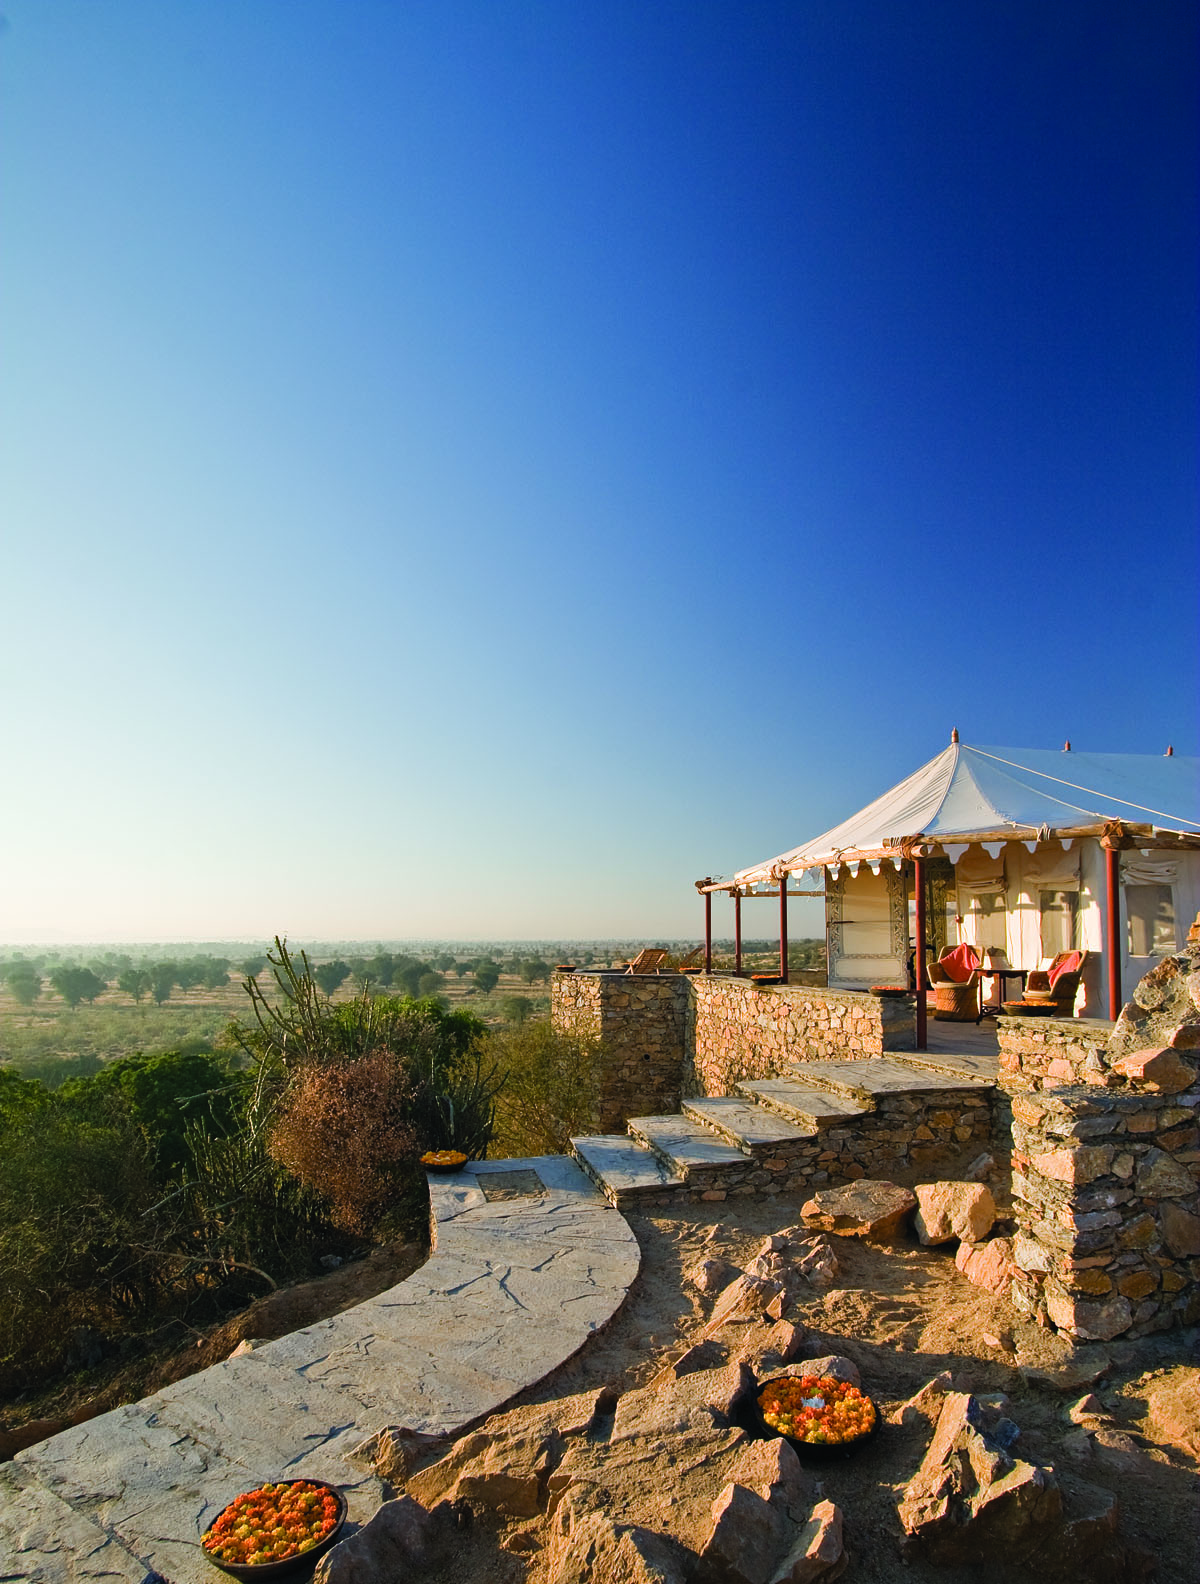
783, 962
708, 932
1112, 860
737, 932
919, 959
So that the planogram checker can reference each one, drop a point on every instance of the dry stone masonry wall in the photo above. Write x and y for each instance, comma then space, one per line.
640, 1020
1106, 1191
737, 1030
1048, 1053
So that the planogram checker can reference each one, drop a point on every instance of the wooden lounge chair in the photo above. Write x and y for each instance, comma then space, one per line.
957, 999
1058, 982
649, 960
692, 960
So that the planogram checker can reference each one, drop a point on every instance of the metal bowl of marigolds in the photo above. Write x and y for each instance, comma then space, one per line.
268, 1532
443, 1161
820, 1416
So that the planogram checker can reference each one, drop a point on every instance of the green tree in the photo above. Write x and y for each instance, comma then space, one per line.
534, 969
166, 1093
430, 983
19, 1098
487, 975
162, 981
135, 982
516, 1009
216, 973
24, 982
252, 966
409, 978
331, 975
77, 984
190, 972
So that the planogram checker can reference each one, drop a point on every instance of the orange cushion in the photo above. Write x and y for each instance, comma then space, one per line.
1067, 963
960, 963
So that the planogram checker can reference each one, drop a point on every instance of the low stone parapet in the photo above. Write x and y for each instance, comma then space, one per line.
1051, 1053
1106, 1193
740, 1030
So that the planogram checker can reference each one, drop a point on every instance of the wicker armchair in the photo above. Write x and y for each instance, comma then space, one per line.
1059, 983
955, 999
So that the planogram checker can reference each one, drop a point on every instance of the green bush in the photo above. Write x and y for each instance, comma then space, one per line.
166, 1094
75, 1201
551, 1088
450, 1090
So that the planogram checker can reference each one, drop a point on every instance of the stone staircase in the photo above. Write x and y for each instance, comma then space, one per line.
819, 1122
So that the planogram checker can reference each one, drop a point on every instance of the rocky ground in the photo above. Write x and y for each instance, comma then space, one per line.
1119, 1420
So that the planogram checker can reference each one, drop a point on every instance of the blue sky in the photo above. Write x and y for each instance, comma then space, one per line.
471, 469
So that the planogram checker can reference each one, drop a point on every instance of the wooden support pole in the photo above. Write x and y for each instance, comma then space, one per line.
737, 932
1112, 942
708, 932
783, 960
919, 959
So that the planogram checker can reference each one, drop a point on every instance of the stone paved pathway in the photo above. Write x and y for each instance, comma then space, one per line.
525, 1269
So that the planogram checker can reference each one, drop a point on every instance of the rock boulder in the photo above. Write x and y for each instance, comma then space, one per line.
867, 1209
970, 1499
948, 1210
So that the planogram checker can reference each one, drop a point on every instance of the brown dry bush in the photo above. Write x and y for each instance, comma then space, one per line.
343, 1132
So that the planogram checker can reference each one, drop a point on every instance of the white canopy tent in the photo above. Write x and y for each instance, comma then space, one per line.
1033, 814
991, 795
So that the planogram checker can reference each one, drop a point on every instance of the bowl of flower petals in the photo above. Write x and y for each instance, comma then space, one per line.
443, 1160
269, 1531
820, 1416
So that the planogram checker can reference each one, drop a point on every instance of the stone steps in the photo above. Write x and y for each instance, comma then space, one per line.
876, 1076
822, 1121
981, 1065
804, 1104
626, 1172
754, 1129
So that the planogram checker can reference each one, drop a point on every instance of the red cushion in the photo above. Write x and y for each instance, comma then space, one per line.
960, 963
1067, 963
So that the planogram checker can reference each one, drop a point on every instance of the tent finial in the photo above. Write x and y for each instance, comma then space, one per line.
1067, 746
954, 734
1170, 753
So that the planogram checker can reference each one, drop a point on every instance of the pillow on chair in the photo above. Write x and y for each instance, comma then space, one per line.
960, 963
1065, 962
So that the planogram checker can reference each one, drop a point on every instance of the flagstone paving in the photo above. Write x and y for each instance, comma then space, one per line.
516, 1283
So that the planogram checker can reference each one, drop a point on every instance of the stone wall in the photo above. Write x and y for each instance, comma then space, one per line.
665, 1035
737, 1030
1048, 1053
640, 1020
1106, 1191
905, 1138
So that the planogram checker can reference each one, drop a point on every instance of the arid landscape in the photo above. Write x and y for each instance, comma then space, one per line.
902, 1313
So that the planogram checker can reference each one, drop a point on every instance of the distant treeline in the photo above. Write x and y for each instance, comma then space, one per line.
78, 980
75, 982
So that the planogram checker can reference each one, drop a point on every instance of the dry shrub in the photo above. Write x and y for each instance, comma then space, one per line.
344, 1133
